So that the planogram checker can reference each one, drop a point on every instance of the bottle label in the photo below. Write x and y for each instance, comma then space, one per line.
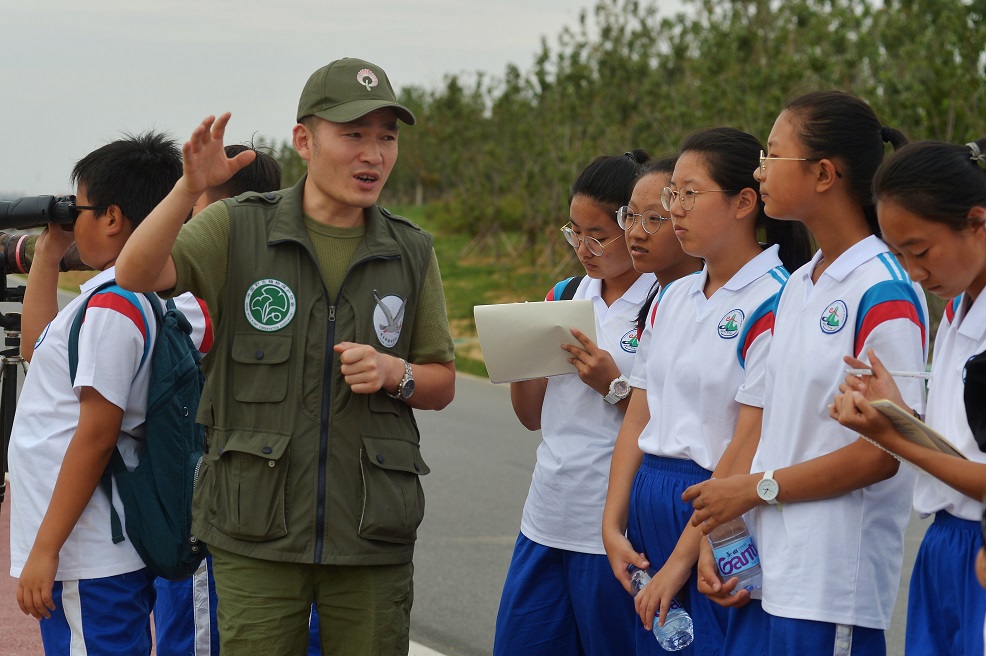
674, 605
736, 557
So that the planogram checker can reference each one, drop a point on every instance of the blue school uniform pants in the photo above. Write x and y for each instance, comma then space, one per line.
563, 603
657, 516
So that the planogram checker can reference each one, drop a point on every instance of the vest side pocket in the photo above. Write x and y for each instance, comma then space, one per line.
248, 479
261, 368
393, 500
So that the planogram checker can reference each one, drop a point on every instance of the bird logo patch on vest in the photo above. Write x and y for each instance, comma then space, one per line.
388, 318
269, 305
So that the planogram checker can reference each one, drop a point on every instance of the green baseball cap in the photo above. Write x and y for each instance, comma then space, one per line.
347, 89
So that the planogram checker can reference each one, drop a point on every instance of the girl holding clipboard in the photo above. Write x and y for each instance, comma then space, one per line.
931, 202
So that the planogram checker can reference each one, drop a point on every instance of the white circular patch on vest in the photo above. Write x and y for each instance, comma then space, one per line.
388, 319
269, 305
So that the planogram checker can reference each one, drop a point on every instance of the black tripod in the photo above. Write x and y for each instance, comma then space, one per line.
10, 357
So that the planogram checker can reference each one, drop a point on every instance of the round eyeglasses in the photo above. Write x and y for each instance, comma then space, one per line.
765, 158
593, 245
686, 196
650, 220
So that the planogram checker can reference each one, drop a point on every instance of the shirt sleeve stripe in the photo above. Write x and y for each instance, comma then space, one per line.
761, 321
207, 337
112, 301
884, 302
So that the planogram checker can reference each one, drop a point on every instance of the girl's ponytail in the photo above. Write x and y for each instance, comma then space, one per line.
837, 125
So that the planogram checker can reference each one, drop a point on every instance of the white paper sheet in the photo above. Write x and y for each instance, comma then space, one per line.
523, 340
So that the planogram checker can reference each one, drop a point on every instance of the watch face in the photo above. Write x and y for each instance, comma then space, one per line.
407, 389
767, 488
621, 388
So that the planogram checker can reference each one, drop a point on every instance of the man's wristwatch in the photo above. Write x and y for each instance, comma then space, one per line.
406, 387
619, 389
767, 488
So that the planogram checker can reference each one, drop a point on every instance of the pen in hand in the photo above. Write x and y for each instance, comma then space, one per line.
896, 374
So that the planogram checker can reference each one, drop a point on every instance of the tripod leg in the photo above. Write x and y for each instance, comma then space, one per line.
8, 405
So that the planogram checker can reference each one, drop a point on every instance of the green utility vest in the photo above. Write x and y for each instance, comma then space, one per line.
298, 468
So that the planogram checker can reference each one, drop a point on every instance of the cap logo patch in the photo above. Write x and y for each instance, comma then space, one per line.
269, 305
367, 78
730, 324
388, 318
834, 317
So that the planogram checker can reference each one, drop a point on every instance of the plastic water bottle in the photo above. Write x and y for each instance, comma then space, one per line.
736, 555
677, 632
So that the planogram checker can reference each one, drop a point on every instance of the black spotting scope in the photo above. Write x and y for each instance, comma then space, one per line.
37, 211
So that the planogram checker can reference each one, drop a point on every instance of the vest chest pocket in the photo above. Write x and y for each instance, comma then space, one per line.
261, 367
249, 473
393, 501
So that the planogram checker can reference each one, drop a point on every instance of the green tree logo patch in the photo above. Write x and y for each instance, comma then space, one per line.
269, 305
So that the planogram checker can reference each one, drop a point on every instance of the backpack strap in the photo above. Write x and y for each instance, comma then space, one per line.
564, 290
116, 463
73, 336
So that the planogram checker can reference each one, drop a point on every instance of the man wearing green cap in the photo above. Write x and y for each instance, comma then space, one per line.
330, 326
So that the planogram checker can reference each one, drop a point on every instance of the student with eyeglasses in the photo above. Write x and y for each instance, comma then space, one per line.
697, 380
832, 508
559, 596
931, 202
652, 249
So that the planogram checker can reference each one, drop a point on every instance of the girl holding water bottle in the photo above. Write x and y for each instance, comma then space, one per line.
559, 596
931, 202
833, 507
699, 363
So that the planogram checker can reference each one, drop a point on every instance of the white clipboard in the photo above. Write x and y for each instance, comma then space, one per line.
521, 341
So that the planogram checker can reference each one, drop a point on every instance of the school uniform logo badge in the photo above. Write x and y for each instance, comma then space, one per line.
269, 305
41, 337
834, 318
388, 318
367, 78
731, 323
629, 341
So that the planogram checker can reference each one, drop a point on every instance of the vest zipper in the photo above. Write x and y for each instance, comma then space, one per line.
323, 441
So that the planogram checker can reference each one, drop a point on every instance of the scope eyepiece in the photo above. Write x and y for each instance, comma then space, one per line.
37, 211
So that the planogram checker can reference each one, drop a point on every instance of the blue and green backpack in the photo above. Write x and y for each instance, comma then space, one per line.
157, 494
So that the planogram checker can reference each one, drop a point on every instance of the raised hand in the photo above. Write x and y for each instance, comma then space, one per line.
205, 162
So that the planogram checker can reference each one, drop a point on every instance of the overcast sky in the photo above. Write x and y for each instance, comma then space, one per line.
74, 75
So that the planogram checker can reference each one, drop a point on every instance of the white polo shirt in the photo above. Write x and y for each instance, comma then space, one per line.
836, 560
564, 507
961, 335
112, 345
700, 358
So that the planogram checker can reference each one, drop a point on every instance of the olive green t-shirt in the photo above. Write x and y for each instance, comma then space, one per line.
201, 259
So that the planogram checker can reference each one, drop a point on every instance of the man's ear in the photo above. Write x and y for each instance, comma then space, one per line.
303, 141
